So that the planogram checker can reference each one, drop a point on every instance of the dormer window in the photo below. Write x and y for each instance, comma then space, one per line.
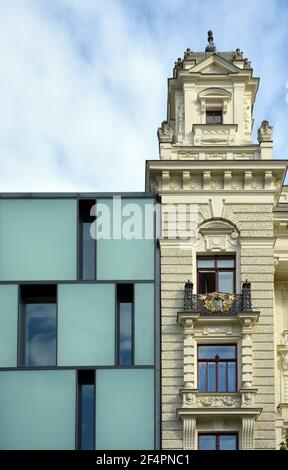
214, 117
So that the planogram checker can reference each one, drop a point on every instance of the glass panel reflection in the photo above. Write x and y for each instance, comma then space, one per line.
40, 334
226, 281
206, 263
207, 442
88, 253
87, 417
224, 352
211, 377
228, 442
231, 376
125, 331
225, 263
222, 384
202, 377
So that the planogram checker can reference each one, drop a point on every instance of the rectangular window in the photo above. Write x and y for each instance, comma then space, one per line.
216, 274
86, 409
217, 441
217, 368
87, 244
38, 325
125, 324
214, 117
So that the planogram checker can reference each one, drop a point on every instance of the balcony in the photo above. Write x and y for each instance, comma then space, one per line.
217, 303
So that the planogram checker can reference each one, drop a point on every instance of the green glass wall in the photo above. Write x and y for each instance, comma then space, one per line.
37, 410
8, 325
125, 409
86, 324
127, 259
38, 239
144, 324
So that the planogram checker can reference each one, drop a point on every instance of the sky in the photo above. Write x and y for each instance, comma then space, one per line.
83, 83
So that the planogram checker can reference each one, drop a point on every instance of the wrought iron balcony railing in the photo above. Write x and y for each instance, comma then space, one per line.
217, 303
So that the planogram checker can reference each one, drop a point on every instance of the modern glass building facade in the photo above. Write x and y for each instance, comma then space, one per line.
79, 320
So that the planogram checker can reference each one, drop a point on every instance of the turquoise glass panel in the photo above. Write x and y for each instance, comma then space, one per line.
125, 257
38, 239
37, 410
8, 325
144, 324
125, 409
86, 324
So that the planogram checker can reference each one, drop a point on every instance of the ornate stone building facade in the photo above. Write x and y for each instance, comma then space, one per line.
225, 347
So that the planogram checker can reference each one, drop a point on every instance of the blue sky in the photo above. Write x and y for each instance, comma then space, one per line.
83, 82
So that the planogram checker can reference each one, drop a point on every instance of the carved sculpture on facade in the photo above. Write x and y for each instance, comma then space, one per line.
247, 64
238, 54
218, 401
180, 118
247, 115
165, 132
188, 53
265, 132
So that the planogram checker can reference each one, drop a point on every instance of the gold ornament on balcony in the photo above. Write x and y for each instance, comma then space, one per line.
218, 301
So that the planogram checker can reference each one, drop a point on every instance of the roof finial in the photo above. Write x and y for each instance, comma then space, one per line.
210, 47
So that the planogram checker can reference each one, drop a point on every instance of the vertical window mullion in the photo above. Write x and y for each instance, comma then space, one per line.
86, 409
125, 325
87, 248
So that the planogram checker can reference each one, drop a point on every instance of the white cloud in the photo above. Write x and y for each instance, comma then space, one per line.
83, 83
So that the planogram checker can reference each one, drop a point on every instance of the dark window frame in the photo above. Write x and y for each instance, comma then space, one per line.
84, 208
130, 296
33, 294
216, 270
217, 435
216, 361
85, 377
214, 114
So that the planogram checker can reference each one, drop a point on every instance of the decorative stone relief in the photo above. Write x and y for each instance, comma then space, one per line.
196, 182
243, 156
257, 182
220, 242
237, 182
186, 155
217, 331
155, 184
189, 399
218, 401
247, 115
248, 399
217, 182
216, 156
180, 117
175, 183
215, 136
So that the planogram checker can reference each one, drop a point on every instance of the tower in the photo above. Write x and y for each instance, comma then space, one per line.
219, 192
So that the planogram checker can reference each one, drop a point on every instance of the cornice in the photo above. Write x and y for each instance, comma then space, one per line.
216, 164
